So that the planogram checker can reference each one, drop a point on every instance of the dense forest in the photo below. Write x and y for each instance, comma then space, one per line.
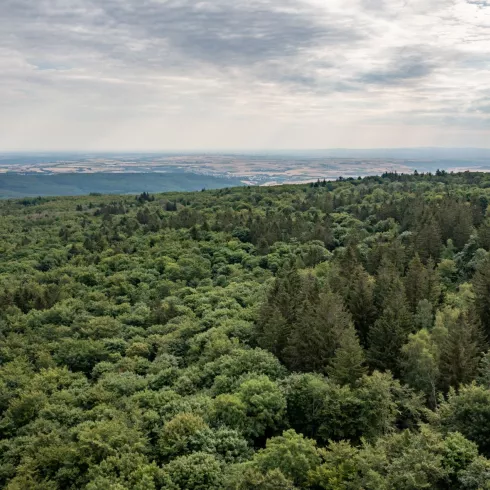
333, 335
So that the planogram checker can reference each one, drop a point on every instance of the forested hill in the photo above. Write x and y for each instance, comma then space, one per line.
324, 336
74, 184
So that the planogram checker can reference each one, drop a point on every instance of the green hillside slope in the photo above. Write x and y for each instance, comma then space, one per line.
73, 184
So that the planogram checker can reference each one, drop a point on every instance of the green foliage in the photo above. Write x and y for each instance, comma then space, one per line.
264, 405
248, 338
300, 325
250, 478
389, 334
421, 364
291, 454
347, 366
198, 471
461, 345
481, 284
468, 412
178, 434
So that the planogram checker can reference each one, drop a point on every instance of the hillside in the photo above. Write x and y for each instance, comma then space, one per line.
325, 336
72, 184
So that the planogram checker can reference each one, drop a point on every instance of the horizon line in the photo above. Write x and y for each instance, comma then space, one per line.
242, 150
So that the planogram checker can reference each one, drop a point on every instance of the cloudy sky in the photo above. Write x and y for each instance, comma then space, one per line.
243, 74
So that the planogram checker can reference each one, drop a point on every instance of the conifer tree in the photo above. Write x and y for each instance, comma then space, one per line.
428, 241
360, 303
421, 282
286, 306
389, 334
424, 316
461, 225
316, 335
448, 250
278, 312
433, 282
484, 371
416, 283
388, 284
484, 235
461, 349
481, 286
347, 366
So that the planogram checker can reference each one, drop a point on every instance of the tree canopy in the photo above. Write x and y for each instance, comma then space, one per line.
332, 335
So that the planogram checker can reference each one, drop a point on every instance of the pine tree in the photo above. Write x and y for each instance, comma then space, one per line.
461, 348
462, 225
428, 241
455, 221
389, 334
284, 308
416, 283
424, 316
484, 235
448, 250
347, 366
316, 335
272, 329
359, 298
388, 284
481, 286
484, 371
433, 283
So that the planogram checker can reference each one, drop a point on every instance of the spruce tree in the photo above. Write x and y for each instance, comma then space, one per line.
428, 240
424, 316
481, 287
359, 299
316, 335
348, 364
462, 225
433, 283
290, 303
461, 349
484, 371
484, 235
416, 283
388, 284
389, 334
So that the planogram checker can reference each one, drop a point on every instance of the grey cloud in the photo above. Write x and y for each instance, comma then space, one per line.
479, 3
374, 4
483, 106
264, 40
235, 58
403, 67
222, 32
232, 32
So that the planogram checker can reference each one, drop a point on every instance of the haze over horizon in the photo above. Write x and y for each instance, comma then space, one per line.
162, 75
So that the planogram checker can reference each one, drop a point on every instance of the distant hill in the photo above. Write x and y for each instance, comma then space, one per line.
73, 184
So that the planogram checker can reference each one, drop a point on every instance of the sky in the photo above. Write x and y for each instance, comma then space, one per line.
153, 75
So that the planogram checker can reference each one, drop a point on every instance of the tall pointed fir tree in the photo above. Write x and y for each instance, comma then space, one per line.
279, 311
359, 299
348, 364
316, 335
481, 287
390, 333
461, 349
428, 240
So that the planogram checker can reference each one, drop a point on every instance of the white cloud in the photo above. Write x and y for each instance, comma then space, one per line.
157, 74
